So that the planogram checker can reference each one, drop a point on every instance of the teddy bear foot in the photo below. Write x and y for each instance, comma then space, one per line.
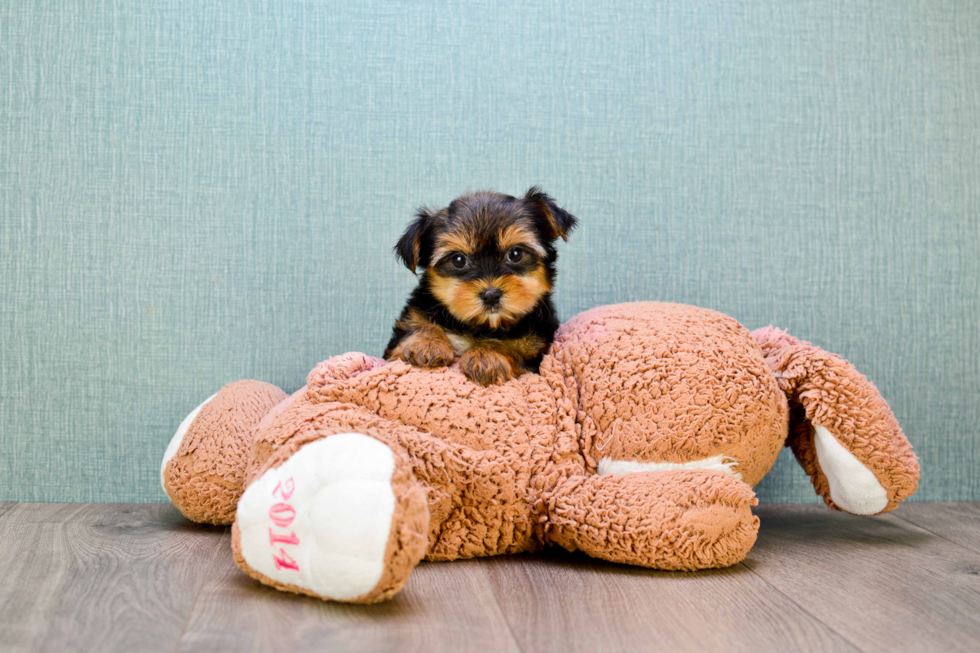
852, 486
203, 468
178, 440
342, 519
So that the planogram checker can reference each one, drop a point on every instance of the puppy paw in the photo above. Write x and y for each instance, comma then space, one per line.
486, 366
424, 349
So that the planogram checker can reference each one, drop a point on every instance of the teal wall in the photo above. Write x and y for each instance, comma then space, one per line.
197, 192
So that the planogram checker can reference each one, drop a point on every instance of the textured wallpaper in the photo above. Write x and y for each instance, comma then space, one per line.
193, 193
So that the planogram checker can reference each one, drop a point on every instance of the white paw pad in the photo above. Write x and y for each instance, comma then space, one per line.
178, 438
322, 519
853, 487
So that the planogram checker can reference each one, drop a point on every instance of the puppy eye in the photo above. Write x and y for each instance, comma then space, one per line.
458, 261
515, 254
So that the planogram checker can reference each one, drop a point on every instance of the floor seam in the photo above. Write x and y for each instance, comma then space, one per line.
939, 535
6, 507
803, 609
197, 596
500, 609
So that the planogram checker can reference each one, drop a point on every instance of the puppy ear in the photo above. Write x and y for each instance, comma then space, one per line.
409, 247
557, 220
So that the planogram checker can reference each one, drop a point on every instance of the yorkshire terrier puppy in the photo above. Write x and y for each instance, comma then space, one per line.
488, 266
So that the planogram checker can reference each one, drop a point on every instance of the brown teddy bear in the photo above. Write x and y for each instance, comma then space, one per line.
639, 442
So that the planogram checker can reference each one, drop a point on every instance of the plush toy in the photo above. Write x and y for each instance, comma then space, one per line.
639, 442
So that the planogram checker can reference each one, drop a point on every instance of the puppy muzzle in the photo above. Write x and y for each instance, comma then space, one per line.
491, 297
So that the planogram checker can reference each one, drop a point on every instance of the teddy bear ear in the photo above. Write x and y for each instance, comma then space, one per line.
557, 221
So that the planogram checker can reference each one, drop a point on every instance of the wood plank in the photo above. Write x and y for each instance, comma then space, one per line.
99, 577
5, 506
881, 582
957, 522
557, 601
133, 577
46, 513
444, 607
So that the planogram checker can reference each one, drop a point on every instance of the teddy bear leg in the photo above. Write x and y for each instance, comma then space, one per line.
341, 517
850, 471
477, 498
680, 519
203, 468
841, 429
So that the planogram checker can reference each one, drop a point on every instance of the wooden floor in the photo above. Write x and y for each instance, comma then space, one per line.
141, 578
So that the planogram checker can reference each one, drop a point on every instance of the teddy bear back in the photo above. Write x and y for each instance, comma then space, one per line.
669, 384
526, 423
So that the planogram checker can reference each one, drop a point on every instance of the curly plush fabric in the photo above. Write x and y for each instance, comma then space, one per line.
207, 475
674, 384
683, 519
637, 443
827, 391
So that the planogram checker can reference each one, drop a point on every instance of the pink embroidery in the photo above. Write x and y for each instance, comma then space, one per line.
282, 539
285, 489
284, 562
282, 514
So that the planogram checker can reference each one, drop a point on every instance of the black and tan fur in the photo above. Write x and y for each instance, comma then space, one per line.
482, 245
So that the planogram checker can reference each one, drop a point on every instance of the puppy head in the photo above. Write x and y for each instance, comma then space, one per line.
488, 258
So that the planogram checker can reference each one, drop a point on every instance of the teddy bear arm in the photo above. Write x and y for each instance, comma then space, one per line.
681, 519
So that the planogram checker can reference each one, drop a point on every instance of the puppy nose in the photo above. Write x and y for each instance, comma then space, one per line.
491, 296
